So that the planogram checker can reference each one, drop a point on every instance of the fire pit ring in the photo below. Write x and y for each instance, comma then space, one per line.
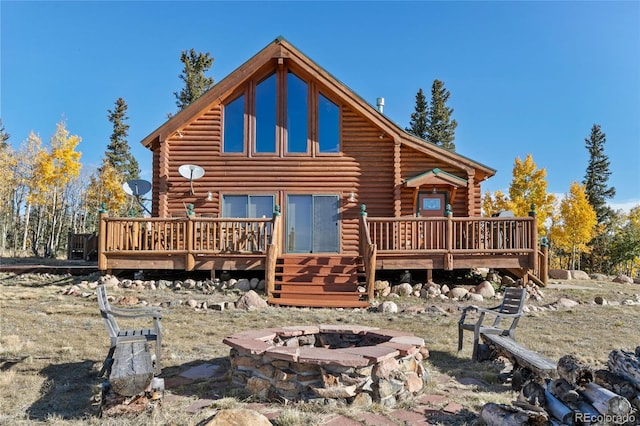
352, 364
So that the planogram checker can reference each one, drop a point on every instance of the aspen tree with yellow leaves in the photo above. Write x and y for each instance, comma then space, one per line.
574, 226
54, 170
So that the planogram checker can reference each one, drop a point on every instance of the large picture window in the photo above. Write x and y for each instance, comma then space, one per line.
266, 115
328, 125
234, 126
247, 206
297, 114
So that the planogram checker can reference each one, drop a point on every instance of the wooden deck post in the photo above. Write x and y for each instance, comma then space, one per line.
544, 261
534, 239
448, 257
273, 251
190, 261
102, 238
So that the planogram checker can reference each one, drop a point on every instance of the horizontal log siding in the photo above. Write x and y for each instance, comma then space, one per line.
414, 163
365, 167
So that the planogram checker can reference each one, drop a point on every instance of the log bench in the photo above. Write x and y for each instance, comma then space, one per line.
132, 369
521, 357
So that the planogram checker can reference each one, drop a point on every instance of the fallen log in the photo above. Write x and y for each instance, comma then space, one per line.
532, 393
562, 390
557, 409
626, 365
574, 371
605, 401
132, 369
615, 383
501, 415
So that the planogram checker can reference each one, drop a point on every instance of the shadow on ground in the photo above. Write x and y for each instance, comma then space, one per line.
67, 392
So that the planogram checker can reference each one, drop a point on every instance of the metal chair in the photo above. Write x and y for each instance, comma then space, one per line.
509, 309
118, 335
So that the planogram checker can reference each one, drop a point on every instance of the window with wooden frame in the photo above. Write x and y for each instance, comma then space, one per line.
310, 120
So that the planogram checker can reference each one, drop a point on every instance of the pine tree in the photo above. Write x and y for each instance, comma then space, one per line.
419, 118
4, 136
597, 175
118, 153
196, 83
441, 127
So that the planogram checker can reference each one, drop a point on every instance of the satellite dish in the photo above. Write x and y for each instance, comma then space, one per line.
136, 187
191, 172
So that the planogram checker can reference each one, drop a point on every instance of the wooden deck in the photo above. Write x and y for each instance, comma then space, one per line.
200, 243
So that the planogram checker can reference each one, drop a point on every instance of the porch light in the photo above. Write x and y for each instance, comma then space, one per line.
352, 197
209, 196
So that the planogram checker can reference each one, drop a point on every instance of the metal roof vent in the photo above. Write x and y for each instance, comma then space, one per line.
380, 104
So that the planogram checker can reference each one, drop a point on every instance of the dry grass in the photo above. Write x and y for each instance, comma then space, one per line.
52, 346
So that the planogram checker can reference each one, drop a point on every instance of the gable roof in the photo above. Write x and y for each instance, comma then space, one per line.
280, 49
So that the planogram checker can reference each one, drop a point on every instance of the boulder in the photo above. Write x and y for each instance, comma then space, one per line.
251, 300
559, 274
239, 417
475, 297
243, 284
254, 283
579, 275
388, 307
507, 281
599, 277
458, 293
623, 279
485, 289
403, 289
600, 300
563, 302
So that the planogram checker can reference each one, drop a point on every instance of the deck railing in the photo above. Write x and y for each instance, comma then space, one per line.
190, 235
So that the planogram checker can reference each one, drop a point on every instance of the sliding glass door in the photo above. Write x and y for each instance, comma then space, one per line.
313, 224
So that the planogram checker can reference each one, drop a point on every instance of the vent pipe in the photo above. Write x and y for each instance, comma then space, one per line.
380, 104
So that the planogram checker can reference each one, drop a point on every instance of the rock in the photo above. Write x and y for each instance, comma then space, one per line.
388, 307
579, 275
231, 283
623, 279
485, 289
109, 281
475, 297
403, 289
599, 277
243, 284
254, 283
239, 417
261, 285
563, 302
507, 281
193, 303
386, 292
600, 300
559, 274
380, 285
444, 289
335, 392
251, 300
458, 293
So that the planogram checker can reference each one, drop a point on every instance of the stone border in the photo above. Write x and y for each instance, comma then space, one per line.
365, 364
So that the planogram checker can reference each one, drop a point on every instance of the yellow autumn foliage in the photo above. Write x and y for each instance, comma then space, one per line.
105, 187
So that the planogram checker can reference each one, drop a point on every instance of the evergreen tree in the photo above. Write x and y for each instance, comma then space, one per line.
441, 127
118, 153
419, 118
4, 136
597, 175
196, 83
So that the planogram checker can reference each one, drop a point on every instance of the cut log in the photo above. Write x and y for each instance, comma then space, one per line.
132, 369
615, 384
502, 415
626, 365
562, 390
574, 371
586, 412
532, 393
557, 409
605, 401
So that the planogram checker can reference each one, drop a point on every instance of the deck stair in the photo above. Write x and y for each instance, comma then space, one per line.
322, 281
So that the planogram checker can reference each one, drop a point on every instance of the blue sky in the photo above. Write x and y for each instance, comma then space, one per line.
524, 77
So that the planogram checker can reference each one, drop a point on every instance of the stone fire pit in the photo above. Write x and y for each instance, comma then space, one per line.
348, 363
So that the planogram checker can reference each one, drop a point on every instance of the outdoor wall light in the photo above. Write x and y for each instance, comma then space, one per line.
209, 196
352, 197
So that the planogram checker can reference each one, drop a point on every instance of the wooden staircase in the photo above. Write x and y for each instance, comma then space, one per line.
319, 282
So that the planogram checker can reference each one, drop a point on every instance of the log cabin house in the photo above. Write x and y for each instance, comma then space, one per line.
306, 181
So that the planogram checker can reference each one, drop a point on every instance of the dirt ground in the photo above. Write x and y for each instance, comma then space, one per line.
52, 346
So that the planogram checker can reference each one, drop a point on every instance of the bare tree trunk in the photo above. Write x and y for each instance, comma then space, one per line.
25, 235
